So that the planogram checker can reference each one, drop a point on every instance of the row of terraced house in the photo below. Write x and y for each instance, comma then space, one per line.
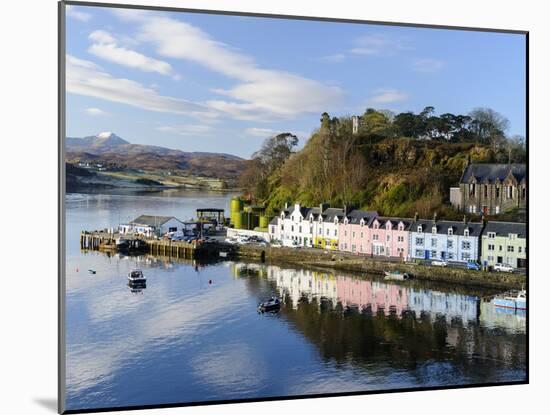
366, 233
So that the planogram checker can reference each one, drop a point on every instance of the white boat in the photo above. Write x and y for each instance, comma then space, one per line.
136, 277
516, 300
396, 276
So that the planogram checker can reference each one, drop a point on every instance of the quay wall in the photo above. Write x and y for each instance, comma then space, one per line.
354, 263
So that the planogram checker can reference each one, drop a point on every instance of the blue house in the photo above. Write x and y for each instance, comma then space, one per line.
453, 241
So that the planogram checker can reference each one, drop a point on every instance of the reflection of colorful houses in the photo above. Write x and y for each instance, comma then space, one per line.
449, 305
298, 284
492, 317
378, 296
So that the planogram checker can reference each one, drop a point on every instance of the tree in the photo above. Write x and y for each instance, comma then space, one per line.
275, 150
488, 126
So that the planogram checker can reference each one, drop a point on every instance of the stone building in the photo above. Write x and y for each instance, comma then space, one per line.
491, 189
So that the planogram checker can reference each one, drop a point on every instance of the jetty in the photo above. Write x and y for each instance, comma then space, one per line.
106, 241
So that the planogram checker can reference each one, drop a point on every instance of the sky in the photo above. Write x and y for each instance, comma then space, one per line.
204, 82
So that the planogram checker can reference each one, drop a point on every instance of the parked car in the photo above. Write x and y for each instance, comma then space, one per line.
439, 263
473, 265
503, 268
275, 245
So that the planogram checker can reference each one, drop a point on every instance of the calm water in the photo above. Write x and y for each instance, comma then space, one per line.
183, 339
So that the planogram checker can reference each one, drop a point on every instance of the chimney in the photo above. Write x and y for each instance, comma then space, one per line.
286, 205
464, 219
416, 216
435, 217
345, 210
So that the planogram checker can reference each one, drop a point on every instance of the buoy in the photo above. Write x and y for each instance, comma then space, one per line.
209, 281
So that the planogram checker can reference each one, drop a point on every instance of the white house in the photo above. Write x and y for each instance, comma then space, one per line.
292, 226
149, 225
327, 226
453, 241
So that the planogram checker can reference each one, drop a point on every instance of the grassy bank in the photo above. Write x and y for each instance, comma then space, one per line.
344, 262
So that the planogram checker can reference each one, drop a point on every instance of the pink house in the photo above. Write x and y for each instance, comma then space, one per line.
389, 237
353, 231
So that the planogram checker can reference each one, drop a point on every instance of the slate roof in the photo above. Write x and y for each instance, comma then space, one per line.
355, 216
274, 221
330, 213
394, 222
443, 226
491, 172
505, 228
150, 220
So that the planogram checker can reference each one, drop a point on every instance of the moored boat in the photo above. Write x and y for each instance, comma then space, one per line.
271, 305
516, 300
136, 277
396, 276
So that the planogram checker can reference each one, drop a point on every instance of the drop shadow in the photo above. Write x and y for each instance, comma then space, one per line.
48, 403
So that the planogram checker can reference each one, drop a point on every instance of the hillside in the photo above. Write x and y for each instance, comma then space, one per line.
117, 154
395, 175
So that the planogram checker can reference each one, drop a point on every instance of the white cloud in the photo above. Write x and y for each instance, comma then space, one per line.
87, 78
187, 130
377, 44
428, 65
105, 46
260, 132
388, 96
96, 112
260, 94
70, 11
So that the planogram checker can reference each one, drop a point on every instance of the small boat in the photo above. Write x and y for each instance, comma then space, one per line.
271, 305
396, 276
92, 271
136, 277
516, 300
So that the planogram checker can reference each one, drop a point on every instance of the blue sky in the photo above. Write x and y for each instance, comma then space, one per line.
200, 82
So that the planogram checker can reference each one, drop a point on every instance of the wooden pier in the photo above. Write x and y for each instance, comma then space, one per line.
104, 241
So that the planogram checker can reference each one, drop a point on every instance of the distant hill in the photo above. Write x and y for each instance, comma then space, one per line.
109, 149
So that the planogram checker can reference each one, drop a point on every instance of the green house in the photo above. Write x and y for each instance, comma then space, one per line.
504, 243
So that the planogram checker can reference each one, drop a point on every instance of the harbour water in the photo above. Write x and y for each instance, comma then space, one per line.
193, 334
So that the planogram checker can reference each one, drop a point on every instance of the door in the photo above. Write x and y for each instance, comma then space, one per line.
499, 260
485, 210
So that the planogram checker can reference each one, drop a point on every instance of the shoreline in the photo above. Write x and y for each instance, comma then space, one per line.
338, 261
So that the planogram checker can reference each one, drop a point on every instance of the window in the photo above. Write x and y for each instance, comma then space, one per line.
388, 237
353, 248
300, 229
400, 227
465, 245
490, 247
497, 209
510, 249
466, 232
375, 225
353, 234
512, 236
485, 191
172, 229
472, 189
419, 229
419, 253
434, 230
374, 237
524, 192
300, 219
509, 192
282, 227
434, 242
400, 239
491, 235
450, 231
497, 192
490, 258
465, 256
311, 229
500, 248
292, 228
335, 232
345, 233
450, 243
519, 249
450, 255
361, 234
419, 241
433, 254
328, 232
